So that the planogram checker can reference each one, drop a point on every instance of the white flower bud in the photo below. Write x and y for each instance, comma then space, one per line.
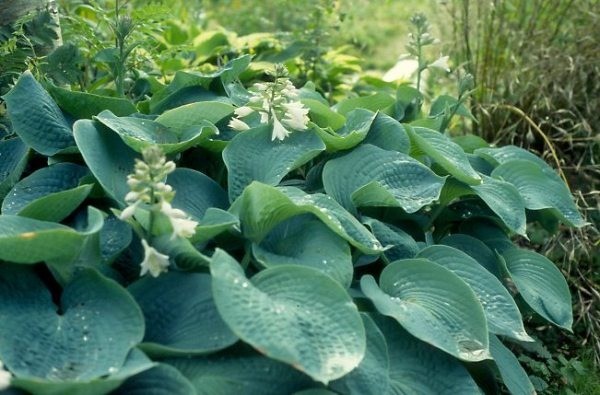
239, 125
244, 111
441, 63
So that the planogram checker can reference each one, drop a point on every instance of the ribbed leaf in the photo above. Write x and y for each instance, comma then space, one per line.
49, 194
162, 379
180, 314
504, 200
371, 176
240, 371
36, 118
541, 285
509, 153
418, 368
375, 102
25, 240
372, 376
292, 314
262, 207
476, 249
107, 157
87, 336
402, 244
445, 152
135, 363
196, 192
322, 115
195, 114
83, 105
358, 124
432, 304
540, 190
139, 133
389, 134
500, 309
252, 156
304, 240
214, 222
13, 159
513, 375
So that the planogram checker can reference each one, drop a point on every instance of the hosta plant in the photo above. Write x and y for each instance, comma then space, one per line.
258, 241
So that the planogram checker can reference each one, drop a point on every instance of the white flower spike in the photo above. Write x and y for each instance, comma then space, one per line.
154, 262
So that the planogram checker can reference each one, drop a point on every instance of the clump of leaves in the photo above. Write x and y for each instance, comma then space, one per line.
366, 253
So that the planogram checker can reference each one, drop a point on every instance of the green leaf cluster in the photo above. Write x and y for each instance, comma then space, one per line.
368, 254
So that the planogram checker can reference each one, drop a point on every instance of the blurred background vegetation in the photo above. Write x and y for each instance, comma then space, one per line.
535, 64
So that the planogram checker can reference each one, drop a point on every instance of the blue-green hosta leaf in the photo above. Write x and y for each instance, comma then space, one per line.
180, 314
194, 114
489, 232
87, 336
240, 371
322, 115
541, 285
403, 245
261, 207
433, 304
513, 375
139, 133
253, 156
509, 153
504, 200
500, 309
293, 314
107, 157
36, 118
49, 194
375, 102
186, 87
83, 105
372, 376
13, 159
162, 379
181, 251
540, 190
26, 240
446, 153
389, 134
196, 192
135, 363
304, 240
470, 142
358, 124
115, 237
418, 368
476, 249
371, 176
214, 222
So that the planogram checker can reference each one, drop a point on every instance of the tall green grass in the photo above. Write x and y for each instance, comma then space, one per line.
536, 65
